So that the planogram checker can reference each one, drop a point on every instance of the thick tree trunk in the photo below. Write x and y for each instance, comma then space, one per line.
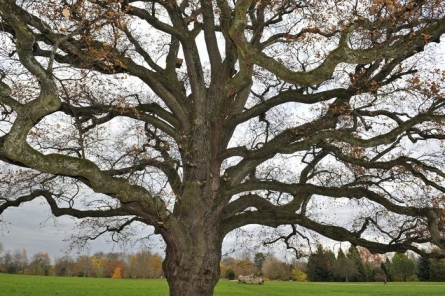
193, 239
191, 265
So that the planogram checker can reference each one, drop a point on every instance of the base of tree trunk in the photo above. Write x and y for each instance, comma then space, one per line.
194, 270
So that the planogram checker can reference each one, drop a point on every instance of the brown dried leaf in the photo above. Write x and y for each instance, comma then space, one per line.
66, 12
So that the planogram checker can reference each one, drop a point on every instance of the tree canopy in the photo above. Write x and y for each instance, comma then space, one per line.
200, 117
403, 267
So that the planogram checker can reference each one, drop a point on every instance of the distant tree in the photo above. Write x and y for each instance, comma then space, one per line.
373, 259
386, 268
40, 264
83, 266
275, 269
259, 259
403, 267
344, 268
423, 268
8, 263
98, 263
230, 274
354, 255
319, 266
378, 274
24, 260
244, 267
156, 270
64, 266
300, 264
117, 273
226, 264
340, 254
437, 270
371, 265
145, 264
114, 260
20, 258
229, 261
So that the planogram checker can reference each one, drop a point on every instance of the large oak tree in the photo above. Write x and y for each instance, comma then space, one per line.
200, 117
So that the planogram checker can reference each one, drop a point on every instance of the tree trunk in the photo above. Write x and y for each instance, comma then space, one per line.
192, 261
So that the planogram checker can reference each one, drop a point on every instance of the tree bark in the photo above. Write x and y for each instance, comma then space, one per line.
192, 263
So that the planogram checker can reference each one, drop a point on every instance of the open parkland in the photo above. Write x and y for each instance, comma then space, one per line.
67, 286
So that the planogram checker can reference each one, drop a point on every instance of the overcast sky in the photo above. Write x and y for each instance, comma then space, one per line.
32, 227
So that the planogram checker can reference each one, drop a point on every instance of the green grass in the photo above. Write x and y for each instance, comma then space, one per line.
330, 289
51, 286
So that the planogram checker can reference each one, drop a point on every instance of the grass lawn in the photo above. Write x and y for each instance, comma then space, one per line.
330, 289
51, 286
